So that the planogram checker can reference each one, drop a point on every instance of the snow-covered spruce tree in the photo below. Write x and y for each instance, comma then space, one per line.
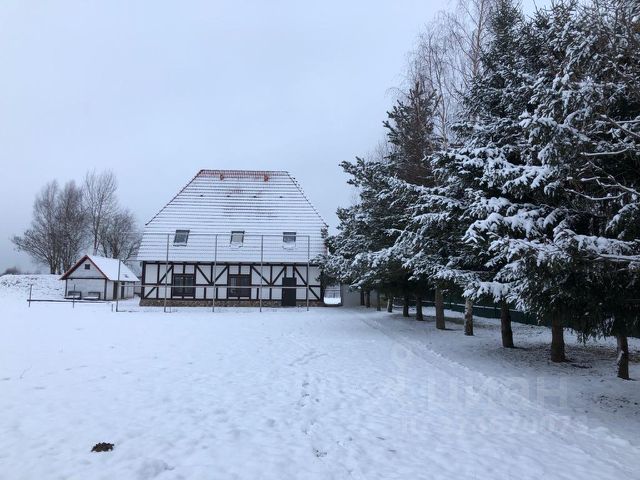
424, 240
356, 238
610, 176
448, 57
410, 132
357, 254
365, 252
432, 245
614, 166
517, 222
586, 127
483, 181
427, 243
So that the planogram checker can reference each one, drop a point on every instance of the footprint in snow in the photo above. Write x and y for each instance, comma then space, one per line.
153, 468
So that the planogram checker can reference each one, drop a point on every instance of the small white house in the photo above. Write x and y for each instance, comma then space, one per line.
97, 278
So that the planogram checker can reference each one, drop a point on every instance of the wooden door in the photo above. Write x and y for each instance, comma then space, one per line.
289, 294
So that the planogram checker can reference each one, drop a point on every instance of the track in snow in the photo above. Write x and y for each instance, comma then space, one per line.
332, 393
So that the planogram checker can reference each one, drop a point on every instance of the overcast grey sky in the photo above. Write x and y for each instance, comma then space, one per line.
157, 90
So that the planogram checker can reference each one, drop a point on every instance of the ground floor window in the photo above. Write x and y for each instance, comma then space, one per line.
183, 285
237, 281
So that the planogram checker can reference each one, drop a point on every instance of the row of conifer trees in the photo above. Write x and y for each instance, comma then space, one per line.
514, 180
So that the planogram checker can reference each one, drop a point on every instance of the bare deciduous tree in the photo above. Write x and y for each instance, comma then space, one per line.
39, 241
449, 55
67, 221
120, 237
432, 64
469, 29
58, 229
99, 194
71, 224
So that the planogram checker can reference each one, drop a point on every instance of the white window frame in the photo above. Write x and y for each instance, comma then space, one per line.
233, 239
181, 232
289, 244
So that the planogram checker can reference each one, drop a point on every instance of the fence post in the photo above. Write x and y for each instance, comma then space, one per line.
215, 267
73, 301
30, 288
118, 286
308, 262
261, 270
166, 275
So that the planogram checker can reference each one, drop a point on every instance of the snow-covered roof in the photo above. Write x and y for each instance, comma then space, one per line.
221, 201
107, 266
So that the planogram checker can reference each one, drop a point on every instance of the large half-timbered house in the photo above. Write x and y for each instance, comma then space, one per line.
239, 237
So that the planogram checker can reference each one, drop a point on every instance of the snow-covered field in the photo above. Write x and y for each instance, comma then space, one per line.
15, 288
290, 394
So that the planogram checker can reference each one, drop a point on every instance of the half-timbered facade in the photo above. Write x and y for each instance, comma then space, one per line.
237, 237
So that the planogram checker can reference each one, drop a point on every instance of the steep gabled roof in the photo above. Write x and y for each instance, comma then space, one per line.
258, 202
241, 188
108, 267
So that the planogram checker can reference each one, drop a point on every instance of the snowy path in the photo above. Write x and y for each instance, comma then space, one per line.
519, 430
331, 393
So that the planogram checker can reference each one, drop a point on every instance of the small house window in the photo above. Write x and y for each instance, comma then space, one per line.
236, 281
181, 237
87, 266
237, 237
289, 238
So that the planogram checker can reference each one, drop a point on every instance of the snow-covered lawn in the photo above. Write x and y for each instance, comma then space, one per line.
330, 393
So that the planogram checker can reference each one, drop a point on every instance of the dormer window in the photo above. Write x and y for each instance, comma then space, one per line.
237, 237
181, 237
289, 239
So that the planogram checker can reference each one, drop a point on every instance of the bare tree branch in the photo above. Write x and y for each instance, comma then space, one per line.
99, 194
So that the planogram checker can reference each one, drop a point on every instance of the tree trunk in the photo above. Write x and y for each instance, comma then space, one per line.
439, 302
362, 298
390, 304
419, 315
505, 325
367, 299
378, 300
623, 356
557, 340
405, 306
468, 316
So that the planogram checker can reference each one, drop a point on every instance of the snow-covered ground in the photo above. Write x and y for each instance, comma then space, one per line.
16, 287
329, 393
